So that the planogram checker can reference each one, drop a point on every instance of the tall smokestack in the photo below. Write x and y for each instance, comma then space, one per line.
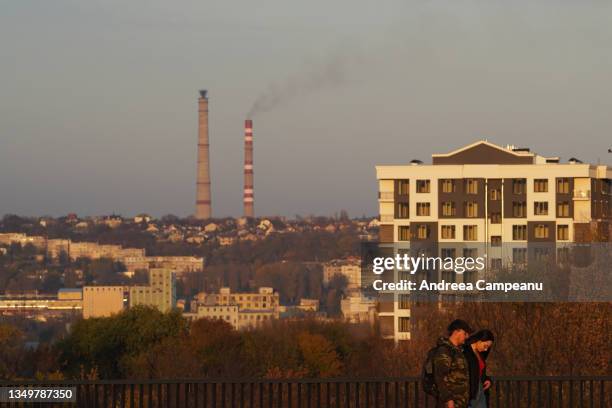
203, 207
248, 169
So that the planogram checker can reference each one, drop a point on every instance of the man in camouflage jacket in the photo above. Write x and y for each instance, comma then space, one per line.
450, 368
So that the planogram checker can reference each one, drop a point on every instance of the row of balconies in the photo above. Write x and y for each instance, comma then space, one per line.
578, 195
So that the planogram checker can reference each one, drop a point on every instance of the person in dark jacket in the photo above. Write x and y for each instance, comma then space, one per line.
450, 369
476, 351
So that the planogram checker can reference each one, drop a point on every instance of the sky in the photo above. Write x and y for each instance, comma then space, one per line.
98, 102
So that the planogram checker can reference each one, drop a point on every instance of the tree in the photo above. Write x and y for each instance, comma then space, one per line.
11, 348
109, 345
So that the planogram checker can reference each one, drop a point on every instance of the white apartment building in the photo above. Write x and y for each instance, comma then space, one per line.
484, 197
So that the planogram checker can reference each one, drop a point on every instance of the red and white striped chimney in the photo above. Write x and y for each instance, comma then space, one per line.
248, 169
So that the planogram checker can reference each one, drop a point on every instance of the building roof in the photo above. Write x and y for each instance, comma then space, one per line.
485, 152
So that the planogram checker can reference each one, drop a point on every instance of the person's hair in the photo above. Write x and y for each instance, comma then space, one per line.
481, 335
459, 325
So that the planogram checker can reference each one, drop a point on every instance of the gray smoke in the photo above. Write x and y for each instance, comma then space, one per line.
331, 72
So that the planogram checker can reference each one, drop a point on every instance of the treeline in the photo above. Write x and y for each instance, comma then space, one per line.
531, 339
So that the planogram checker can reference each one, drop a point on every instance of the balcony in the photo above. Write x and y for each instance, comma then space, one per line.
582, 194
386, 218
385, 196
506, 392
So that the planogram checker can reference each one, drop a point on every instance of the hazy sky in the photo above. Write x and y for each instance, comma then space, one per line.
98, 103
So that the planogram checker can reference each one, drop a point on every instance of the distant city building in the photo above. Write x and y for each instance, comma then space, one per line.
178, 264
227, 313
9, 238
103, 301
349, 268
226, 241
57, 246
159, 293
93, 250
308, 305
32, 303
241, 310
358, 309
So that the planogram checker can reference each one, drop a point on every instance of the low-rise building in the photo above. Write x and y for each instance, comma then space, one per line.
178, 264
308, 305
103, 301
349, 268
358, 309
9, 238
227, 240
56, 246
66, 301
242, 310
93, 250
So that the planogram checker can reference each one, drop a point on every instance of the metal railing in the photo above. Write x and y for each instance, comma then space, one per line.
506, 392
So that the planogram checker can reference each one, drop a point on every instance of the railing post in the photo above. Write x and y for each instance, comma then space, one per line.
347, 394
299, 395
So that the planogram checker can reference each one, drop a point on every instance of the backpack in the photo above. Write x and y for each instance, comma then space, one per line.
427, 373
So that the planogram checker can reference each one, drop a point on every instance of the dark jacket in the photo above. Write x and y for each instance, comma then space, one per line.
475, 379
451, 374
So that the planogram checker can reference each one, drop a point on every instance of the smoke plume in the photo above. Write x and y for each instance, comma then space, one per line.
329, 73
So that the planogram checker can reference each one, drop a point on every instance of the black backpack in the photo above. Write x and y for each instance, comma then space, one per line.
427, 373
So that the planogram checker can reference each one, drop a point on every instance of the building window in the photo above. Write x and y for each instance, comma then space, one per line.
471, 209
562, 232
519, 255
542, 254
563, 209
470, 232
470, 276
519, 232
423, 186
405, 275
423, 232
470, 252
403, 210
423, 209
540, 208
403, 187
404, 301
540, 185
471, 186
495, 194
448, 186
404, 324
518, 186
496, 264
448, 252
541, 231
448, 209
449, 276
403, 233
563, 185
519, 209
563, 255
496, 241
448, 232
495, 218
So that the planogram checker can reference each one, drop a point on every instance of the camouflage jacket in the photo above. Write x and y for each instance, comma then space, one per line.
451, 374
